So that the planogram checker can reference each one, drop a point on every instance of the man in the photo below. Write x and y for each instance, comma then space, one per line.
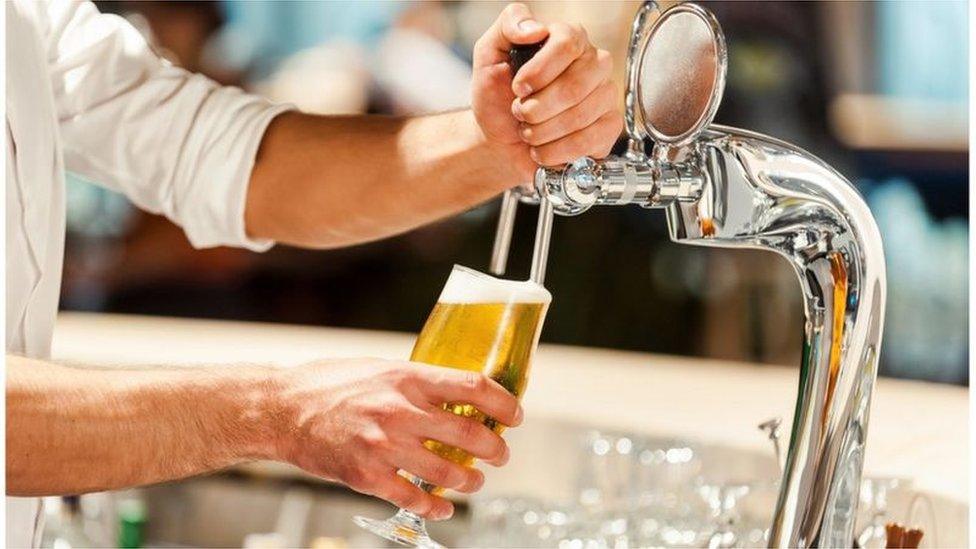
86, 94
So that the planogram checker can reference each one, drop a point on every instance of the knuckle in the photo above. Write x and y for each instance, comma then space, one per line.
476, 382
604, 60
580, 118
553, 153
361, 478
407, 498
352, 477
474, 480
543, 155
399, 378
497, 448
531, 114
416, 501
534, 136
580, 40
511, 410
484, 43
443, 474
375, 440
566, 46
574, 90
468, 430
514, 8
615, 124
382, 412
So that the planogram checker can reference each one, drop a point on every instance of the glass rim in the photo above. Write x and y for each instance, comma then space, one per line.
501, 290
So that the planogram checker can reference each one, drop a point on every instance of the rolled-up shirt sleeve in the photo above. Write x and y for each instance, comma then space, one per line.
174, 142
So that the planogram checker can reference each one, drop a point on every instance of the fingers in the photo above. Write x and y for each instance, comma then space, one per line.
402, 493
515, 25
467, 434
575, 118
475, 389
595, 140
566, 43
439, 471
577, 83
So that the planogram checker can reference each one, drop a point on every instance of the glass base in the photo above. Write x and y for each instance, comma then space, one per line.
404, 528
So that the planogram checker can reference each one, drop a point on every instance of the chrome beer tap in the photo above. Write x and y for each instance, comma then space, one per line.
518, 56
732, 188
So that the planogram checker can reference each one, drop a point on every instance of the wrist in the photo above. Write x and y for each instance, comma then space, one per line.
260, 413
508, 164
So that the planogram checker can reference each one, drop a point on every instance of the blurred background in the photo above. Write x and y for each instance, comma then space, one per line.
877, 89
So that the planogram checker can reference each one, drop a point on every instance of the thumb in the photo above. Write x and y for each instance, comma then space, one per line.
515, 25
518, 26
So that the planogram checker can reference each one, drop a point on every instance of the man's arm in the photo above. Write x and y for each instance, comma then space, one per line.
210, 157
73, 430
327, 181
322, 181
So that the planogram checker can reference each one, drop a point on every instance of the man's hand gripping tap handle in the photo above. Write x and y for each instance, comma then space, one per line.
519, 55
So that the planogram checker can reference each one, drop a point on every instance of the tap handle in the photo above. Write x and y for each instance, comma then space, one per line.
518, 56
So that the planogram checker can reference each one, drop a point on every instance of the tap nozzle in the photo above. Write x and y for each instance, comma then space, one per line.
618, 181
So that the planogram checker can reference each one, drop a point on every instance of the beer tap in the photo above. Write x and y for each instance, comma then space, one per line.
519, 55
732, 188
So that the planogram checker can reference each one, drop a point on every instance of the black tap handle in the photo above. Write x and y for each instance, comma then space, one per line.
520, 54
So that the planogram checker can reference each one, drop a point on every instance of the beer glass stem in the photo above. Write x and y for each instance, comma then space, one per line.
405, 527
410, 520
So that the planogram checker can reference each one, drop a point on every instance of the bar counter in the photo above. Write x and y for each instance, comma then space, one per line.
917, 430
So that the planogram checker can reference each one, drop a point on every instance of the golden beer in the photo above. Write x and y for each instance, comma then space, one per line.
481, 324
487, 325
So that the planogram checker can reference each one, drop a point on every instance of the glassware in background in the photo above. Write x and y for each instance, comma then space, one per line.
722, 500
755, 513
480, 324
875, 494
921, 506
634, 489
517, 521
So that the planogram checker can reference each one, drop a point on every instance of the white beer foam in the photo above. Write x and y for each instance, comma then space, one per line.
470, 286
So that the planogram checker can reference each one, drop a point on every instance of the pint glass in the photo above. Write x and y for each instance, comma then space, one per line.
481, 324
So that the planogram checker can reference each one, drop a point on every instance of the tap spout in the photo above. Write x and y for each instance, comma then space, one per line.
762, 193
737, 189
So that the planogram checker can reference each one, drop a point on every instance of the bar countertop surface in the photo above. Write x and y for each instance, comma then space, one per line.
917, 430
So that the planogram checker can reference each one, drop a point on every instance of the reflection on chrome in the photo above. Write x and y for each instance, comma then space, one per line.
731, 188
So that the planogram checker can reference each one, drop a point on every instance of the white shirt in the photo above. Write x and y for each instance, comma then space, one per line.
85, 93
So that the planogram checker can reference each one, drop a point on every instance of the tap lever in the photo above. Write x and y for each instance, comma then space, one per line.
503, 234
540, 252
518, 56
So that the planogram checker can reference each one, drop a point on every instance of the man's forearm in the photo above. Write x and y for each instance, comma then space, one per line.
333, 181
75, 430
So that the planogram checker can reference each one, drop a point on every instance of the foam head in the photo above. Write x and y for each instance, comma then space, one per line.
470, 286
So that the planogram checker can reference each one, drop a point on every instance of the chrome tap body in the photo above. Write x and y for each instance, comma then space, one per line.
738, 189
